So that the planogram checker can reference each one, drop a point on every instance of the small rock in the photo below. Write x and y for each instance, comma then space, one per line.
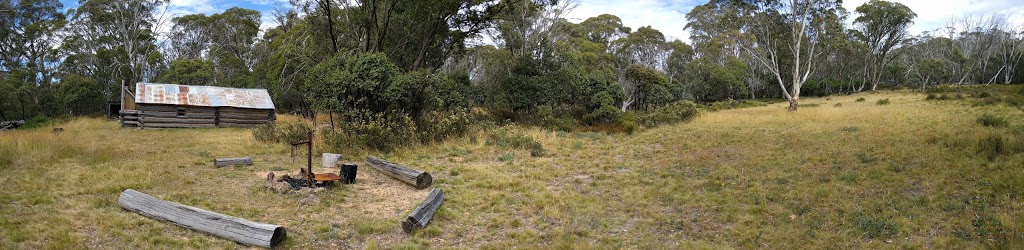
310, 200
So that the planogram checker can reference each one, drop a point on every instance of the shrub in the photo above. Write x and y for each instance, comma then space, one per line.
860, 99
507, 156
883, 101
506, 137
667, 114
931, 96
379, 131
989, 120
436, 126
281, 132
984, 94
36, 122
558, 119
992, 146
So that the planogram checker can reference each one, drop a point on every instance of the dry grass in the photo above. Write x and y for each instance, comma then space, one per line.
913, 173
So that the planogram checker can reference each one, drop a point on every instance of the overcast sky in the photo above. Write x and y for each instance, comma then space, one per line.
668, 16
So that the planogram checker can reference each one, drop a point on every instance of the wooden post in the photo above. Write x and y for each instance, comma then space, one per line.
223, 162
416, 178
420, 217
122, 96
216, 224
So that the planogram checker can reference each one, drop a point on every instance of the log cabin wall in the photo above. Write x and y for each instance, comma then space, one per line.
174, 116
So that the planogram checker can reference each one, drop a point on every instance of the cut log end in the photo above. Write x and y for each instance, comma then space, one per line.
408, 226
424, 180
279, 234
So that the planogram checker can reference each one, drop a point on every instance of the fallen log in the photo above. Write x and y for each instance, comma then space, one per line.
236, 229
418, 179
223, 162
420, 217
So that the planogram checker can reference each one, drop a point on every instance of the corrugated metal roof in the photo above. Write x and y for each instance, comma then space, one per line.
205, 96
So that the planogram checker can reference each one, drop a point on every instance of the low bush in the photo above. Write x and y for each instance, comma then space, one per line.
281, 132
667, 114
989, 120
992, 146
36, 122
380, 131
883, 101
435, 126
860, 99
734, 104
508, 137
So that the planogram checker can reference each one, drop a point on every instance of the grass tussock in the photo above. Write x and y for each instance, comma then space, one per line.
989, 120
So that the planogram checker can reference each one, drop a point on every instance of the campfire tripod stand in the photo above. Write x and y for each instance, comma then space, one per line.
312, 178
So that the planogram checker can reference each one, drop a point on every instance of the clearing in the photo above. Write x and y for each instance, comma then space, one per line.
839, 174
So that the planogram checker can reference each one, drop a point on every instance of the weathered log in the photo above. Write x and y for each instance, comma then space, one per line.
418, 179
244, 116
176, 125
420, 217
129, 118
178, 120
174, 108
175, 115
232, 228
244, 110
244, 121
130, 123
223, 162
128, 112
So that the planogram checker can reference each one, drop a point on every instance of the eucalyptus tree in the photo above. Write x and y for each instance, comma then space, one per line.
602, 29
788, 38
882, 25
973, 44
113, 40
29, 35
416, 34
224, 44
189, 37
1011, 52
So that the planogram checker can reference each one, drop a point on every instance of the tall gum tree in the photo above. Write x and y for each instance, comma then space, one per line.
788, 36
882, 25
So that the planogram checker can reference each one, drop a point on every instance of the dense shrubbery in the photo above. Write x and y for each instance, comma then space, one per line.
378, 131
667, 114
282, 132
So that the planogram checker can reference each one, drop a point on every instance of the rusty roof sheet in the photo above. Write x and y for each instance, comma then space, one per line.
205, 96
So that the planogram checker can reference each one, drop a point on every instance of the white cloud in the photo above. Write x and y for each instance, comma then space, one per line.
185, 7
669, 17
933, 14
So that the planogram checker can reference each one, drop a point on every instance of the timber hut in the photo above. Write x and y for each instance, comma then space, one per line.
183, 106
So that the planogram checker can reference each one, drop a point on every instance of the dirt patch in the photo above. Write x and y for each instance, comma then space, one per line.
374, 194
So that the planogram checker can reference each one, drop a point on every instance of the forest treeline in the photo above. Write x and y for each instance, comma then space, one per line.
414, 63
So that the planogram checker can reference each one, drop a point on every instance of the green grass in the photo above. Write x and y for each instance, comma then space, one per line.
911, 174
989, 120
